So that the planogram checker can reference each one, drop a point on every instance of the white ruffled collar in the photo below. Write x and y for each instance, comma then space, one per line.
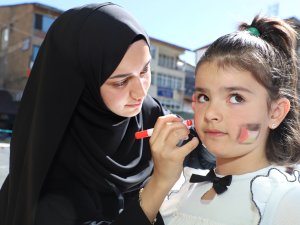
274, 182
271, 180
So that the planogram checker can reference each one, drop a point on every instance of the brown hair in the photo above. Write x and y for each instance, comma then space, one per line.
270, 56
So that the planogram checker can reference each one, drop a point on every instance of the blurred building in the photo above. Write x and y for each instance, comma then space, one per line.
22, 30
189, 70
168, 74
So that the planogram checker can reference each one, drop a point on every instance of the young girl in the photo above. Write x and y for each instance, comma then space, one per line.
247, 115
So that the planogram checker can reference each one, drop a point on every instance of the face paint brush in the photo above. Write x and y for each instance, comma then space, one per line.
148, 132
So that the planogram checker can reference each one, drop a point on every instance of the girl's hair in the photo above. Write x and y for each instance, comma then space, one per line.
269, 54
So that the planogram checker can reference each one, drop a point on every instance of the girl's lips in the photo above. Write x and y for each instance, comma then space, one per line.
214, 133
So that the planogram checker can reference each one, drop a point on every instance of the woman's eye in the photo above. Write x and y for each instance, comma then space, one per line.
145, 71
121, 83
202, 98
236, 98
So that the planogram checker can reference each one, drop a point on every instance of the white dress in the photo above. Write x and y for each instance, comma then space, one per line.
252, 198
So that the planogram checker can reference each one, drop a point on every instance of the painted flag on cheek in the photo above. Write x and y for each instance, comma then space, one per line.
248, 133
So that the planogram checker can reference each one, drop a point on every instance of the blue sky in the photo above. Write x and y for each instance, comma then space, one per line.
190, 23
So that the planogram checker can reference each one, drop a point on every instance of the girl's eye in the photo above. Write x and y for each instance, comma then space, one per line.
201, 98
236, 99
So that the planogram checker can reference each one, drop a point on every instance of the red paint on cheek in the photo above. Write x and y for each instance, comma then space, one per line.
248, 133
244, 134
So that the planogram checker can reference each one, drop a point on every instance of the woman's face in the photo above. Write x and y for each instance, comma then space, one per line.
231, 112
124, 91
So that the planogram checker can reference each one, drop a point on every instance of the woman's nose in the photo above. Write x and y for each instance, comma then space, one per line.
139, 89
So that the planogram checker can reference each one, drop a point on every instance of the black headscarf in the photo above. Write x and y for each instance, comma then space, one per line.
63, 121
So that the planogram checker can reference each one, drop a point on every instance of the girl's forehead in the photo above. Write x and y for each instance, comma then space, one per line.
218, 64
212, 76
215, 72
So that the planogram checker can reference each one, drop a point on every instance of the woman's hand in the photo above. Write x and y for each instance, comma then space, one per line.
168, 161
167, 156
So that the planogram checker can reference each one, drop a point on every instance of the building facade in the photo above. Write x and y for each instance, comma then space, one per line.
22, 28
168, 75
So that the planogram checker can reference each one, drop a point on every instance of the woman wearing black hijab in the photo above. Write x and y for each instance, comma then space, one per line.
74, 158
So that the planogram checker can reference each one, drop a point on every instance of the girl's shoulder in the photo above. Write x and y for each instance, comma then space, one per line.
272, 190
178, 192
274, 178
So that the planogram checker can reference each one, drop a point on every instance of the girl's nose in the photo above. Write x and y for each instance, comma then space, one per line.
212, 112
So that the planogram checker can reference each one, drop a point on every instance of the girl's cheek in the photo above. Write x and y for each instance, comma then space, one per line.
248, 133
198, 122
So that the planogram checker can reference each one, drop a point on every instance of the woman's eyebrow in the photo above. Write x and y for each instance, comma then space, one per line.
126, 74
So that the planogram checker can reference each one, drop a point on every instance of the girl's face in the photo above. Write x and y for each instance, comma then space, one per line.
124, 91
231, 112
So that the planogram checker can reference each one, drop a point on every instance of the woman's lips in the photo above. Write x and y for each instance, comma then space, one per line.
134, 105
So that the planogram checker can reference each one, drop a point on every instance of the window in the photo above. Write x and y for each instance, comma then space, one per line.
166, 61
4, 37
164, 80
42, 22
152, 51
153, 78
189, 83
170, 104
35, 50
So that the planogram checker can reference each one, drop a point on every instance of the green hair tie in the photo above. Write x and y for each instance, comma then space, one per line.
253, 31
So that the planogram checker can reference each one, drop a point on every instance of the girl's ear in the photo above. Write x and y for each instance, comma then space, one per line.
193, 102
279, 110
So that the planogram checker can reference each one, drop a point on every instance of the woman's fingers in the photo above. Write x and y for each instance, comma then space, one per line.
161, 124
169, 130
184, 150
167, 155
176, 133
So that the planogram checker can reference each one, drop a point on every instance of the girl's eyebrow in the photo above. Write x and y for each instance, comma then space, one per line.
227, 89
126, 74
238, 88
200, 89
